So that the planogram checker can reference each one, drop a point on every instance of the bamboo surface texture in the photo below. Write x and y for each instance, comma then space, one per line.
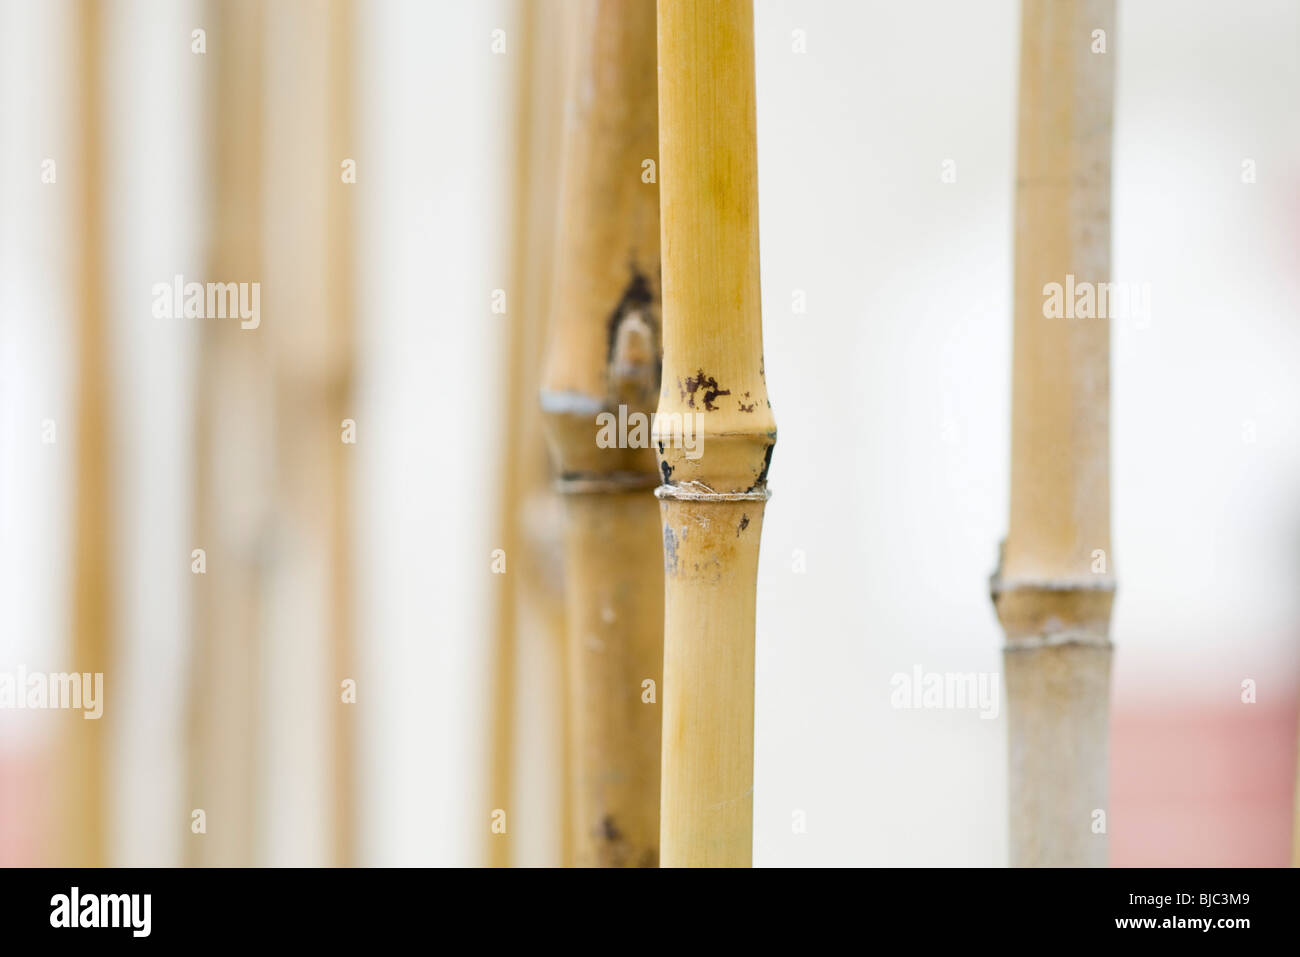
233, 467
711, 505
310, 303
83, 792
605, 354
1054, 588
529, 629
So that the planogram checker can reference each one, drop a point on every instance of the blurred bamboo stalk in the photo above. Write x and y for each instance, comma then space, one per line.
233, 467
711, 503
1054, 586
338, 396
310, 303
83, 790
528, 600
1295, 822
605, 357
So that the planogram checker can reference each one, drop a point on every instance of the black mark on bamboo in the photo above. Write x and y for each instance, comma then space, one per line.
702, 383
618, 852
767, 463
633, 353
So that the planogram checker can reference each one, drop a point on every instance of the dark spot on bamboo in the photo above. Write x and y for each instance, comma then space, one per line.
664, 467
744, 524
637, 295
617, 851
706, 384
746, 408
767, 463
670, 550
625, 357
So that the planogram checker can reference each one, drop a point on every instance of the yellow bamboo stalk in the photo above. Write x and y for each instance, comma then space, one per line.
1295, 823
1054, 587
604, 357
82, 821
232, 466
712, 499
544, 574
310, 314
340, 137
527, 601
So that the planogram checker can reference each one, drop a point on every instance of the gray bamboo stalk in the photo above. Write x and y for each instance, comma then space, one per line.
1054, 586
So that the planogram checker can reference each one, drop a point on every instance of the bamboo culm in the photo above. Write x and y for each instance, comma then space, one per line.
528, 632
231, 508
82, 832
605, 359
715, 431
1055, 584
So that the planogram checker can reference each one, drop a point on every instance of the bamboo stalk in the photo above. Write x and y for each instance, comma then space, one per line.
605, 354
1295, 820
543, 578
1054, 587
233, 459
527, 602
310, 329
338, 401
83, 792
711, 505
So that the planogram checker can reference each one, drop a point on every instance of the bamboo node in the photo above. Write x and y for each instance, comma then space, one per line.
612, 482
699, 492
998, 586
1069, 637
